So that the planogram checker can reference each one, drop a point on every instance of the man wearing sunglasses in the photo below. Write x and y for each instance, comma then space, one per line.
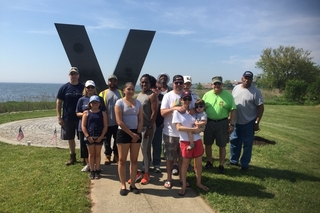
171, 102
219, 106
69, 94
249, 112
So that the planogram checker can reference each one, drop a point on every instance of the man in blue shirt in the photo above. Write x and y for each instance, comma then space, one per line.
69, 95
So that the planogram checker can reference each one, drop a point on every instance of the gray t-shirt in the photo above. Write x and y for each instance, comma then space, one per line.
110, 101
129, 115
247, 101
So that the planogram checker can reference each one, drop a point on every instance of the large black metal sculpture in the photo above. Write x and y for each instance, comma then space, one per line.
80, 53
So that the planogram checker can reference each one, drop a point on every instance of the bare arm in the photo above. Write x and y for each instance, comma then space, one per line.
105, 126
58, 110
140, 120
260, 113
233, 116
259, 116
154, 108
84, 126
181, 128
79, 114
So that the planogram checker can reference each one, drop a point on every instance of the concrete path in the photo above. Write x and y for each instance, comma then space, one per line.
105, 195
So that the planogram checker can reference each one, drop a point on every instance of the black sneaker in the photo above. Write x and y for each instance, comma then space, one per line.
221, 170
175, 170
208, 165
92, 175
97, 174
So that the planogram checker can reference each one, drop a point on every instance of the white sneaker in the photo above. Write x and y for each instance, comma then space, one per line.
86, 168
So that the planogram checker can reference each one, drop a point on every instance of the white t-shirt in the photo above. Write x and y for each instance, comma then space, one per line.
169, 100
186, 120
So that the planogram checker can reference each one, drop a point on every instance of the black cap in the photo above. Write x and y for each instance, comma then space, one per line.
248, 74
178, 78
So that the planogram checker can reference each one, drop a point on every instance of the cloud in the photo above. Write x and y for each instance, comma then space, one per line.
178, 32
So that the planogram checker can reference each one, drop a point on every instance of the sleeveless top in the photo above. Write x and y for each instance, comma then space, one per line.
95, 124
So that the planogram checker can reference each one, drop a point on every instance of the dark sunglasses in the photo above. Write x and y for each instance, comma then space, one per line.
159, 88
90, 87
187, 99
73, 73
199, 106
217, 83
178, 82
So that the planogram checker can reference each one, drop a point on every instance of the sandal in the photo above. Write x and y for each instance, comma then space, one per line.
202, 187
167, 184
182, 192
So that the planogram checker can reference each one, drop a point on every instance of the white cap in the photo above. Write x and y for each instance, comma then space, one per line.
90, 83
187, 79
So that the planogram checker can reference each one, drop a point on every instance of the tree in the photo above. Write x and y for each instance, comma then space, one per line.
199, 86
227, 85
286, 63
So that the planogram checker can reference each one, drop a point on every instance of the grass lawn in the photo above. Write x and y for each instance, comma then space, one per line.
34, 180
283, 177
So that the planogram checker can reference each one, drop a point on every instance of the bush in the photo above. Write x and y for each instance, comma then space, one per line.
313, 93
295, 91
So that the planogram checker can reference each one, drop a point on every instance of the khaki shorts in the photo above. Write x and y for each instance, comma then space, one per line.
171, 148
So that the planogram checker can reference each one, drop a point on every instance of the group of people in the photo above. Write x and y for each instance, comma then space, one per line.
160, 117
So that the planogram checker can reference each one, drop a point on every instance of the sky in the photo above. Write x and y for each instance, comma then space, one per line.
199, 38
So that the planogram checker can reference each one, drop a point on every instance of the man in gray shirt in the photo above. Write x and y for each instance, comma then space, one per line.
250, 109
110, 96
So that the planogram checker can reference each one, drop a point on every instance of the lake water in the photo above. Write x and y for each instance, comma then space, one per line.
31, 91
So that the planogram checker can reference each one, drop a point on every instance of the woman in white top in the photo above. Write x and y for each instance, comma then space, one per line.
185, 123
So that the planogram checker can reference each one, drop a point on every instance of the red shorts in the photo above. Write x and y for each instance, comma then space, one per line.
197, 150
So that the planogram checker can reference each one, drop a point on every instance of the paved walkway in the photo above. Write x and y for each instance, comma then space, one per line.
105, 192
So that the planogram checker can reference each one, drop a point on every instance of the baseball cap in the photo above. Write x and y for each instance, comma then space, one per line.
217, 79
73, 69
161, 74
186, 94
178, 78
94, 98
90, 83
248, 74
187, 79
112, 77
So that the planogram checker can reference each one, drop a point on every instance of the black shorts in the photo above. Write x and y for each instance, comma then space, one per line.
123, 137
68, 130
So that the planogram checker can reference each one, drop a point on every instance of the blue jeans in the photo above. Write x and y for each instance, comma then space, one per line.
157, 146
242, 134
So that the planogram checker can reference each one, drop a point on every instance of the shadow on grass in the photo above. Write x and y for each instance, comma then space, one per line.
279, 174
236, 188
260, 141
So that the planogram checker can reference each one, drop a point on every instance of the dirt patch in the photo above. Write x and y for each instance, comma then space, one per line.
262, 141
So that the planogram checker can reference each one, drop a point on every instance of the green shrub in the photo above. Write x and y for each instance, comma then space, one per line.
295, 91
